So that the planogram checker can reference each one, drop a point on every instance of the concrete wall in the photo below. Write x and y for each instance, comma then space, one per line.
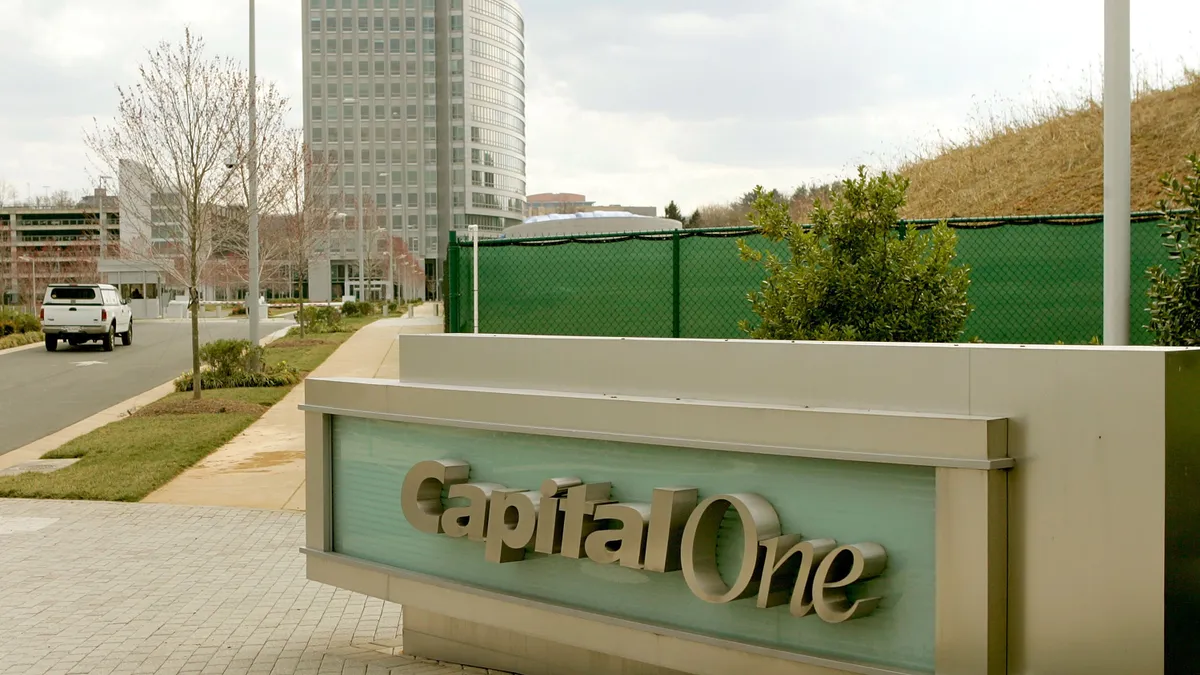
1067, 562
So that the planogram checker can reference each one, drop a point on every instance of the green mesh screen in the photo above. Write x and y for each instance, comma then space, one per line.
1035, 283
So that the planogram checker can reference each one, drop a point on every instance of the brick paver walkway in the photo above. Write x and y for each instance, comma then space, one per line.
95, 587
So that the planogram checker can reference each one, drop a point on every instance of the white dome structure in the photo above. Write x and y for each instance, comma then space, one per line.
588, 222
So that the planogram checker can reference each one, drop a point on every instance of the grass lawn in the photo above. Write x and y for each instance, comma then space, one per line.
130, 458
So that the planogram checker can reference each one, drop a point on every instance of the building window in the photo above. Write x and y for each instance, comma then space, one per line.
364, 45
394, 45
410, 46
394, 24
378, 23
364, 23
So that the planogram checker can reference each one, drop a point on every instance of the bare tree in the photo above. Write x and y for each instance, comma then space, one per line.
176, 125
273, 178
308, 209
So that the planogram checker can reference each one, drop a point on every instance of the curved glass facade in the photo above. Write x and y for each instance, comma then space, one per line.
495, 97
370, 90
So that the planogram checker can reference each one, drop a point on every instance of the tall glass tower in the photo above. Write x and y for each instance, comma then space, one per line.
371, 92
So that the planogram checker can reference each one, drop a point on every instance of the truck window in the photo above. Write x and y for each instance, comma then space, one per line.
72, 294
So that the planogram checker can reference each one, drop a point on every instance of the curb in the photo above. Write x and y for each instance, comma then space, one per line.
36, 449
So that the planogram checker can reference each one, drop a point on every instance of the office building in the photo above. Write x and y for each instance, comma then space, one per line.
549, 203
44, 244
371, 93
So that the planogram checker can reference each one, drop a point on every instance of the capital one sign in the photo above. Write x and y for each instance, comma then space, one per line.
674, 532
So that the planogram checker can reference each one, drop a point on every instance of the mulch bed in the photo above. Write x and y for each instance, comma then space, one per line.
205, 406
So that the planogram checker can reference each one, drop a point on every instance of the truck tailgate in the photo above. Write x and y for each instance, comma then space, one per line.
62, 315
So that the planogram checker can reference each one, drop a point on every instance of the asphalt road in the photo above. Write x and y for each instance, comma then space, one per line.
42, 392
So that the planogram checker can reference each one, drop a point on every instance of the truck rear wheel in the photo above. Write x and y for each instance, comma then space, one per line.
109, 337
51, 343
127, 336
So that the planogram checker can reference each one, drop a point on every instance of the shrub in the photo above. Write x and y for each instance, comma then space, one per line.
280, 375
851, 275
352, 308
1175, 292
229, 356
319, 320
240, 310
226, 364
15, 321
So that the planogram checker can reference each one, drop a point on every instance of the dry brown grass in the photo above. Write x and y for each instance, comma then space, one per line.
1051, 159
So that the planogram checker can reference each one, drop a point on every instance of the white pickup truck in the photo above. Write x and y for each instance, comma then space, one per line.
79, 313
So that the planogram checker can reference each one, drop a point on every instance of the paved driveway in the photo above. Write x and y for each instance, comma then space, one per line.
43, 392
104, 588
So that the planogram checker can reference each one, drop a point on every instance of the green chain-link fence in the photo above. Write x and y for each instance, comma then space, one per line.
1033, 280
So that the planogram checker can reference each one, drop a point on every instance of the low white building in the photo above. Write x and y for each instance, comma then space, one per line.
589, 222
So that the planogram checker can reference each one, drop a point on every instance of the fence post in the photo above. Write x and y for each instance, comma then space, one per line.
452, 289
675, 284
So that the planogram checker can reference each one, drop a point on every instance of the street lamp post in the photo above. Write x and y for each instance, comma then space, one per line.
252, 306
359, 202
341, 218
32, 282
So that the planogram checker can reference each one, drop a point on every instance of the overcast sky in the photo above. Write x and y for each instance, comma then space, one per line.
635, 101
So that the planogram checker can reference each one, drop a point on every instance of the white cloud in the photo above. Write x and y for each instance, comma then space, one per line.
635, 101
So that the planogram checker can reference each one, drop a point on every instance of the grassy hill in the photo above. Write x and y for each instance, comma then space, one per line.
1053, 162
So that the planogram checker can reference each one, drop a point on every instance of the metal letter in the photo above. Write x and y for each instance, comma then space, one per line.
625, 544
699, 554
556, 487
577, 508
669, 511
845, 566
470, 520
421, 493
512, 520
788, 564
549, 527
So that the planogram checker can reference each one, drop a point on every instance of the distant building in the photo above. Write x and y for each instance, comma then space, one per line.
548, 203
58, 244
589, 222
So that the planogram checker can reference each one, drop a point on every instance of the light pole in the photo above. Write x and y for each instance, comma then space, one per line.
341, 218
1117, 171
475, 274
252, 307
359, 202
32, 282
100, 216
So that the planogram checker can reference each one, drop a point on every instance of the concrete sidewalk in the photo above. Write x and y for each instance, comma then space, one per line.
263, 467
